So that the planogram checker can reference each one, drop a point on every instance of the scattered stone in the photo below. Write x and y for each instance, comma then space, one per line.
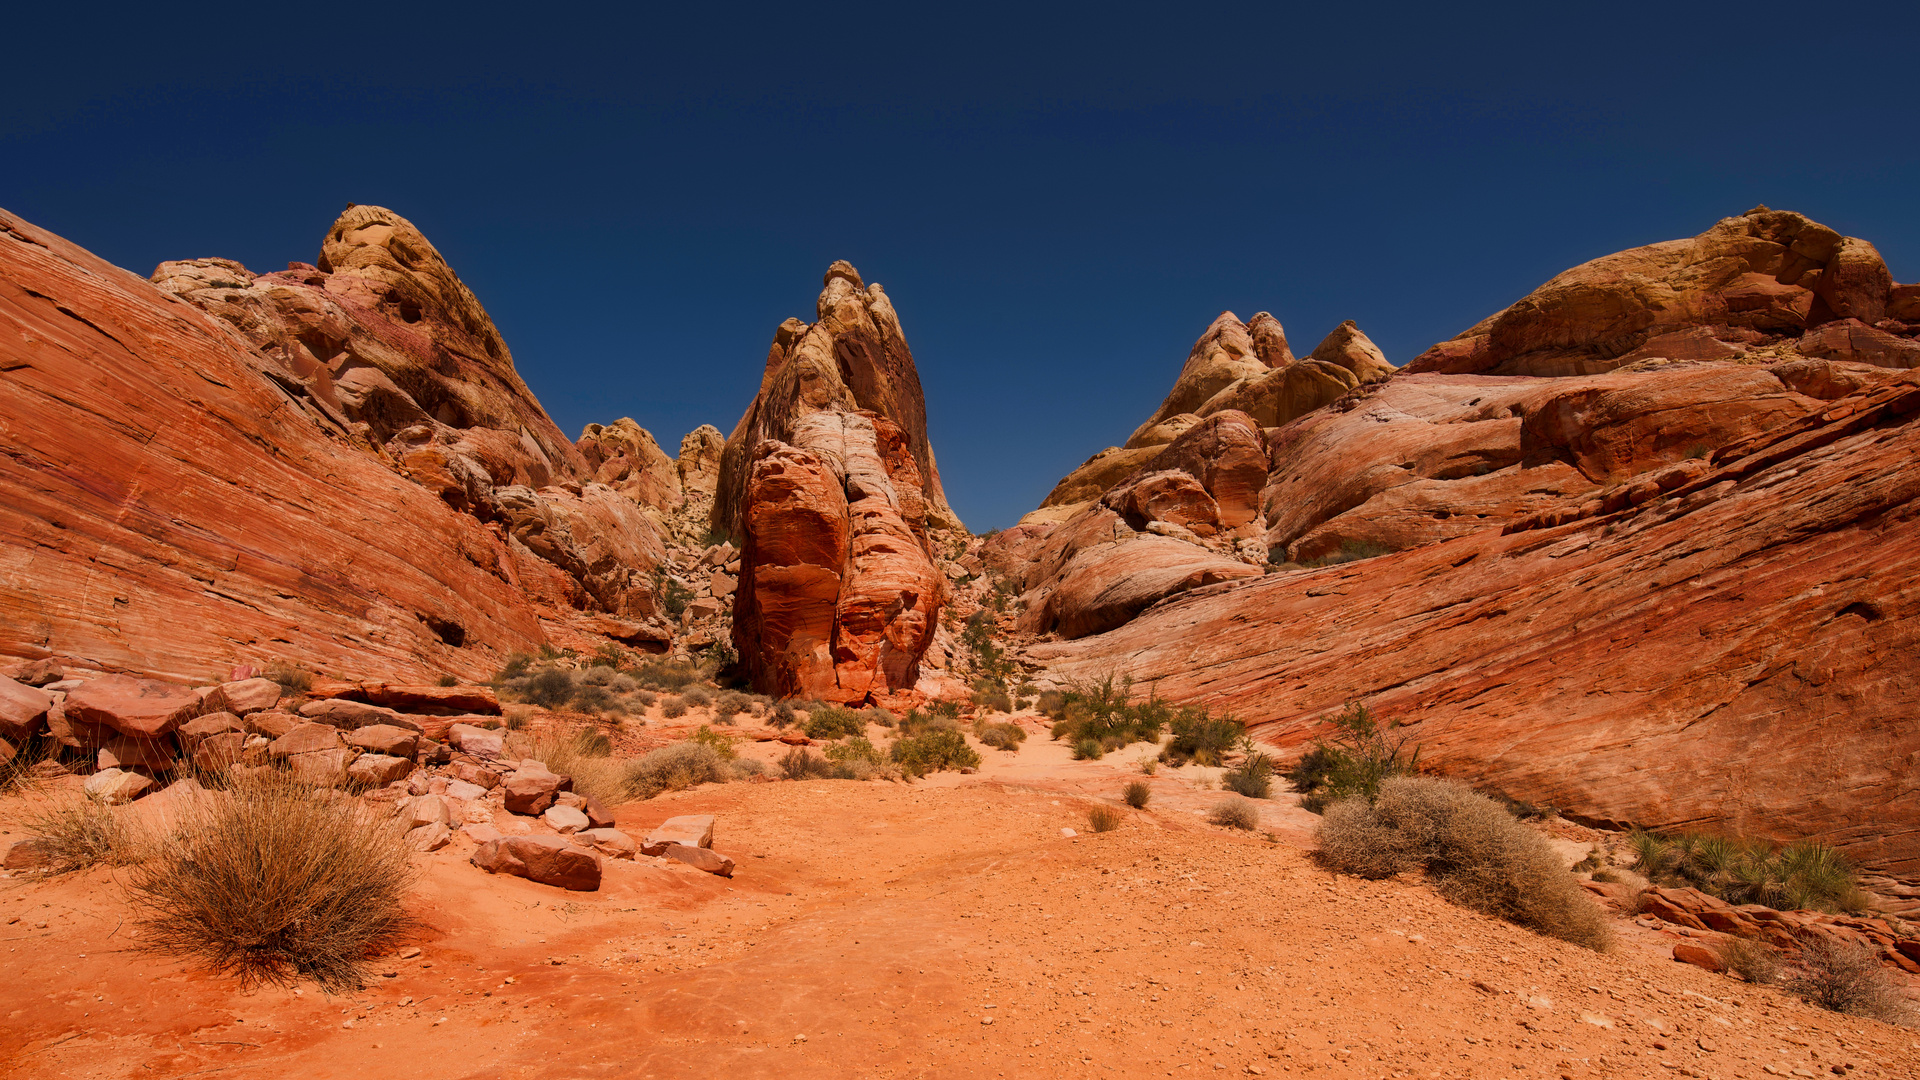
445, 700
1068, 832
480, 742
115, 786
428, 810
378, 770
565, 819
531, 790
200, 728
1688, 953
32, 853
549, 860
430, 837
474, 774
598, 816
321, 768
385, 739
146, 708
570, 798
306, 739
611, 842
34, 673
246, 696
23, 710
465, 792
220, 751
273, 723
353, 715
690, 830
700, 859
480, 832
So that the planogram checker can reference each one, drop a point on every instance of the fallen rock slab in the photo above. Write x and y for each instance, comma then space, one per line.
447, 700
321, 768
690, 830
197, 730
477, 741
378, 770
306, 739
700, 859
430, 837
385, 739
125, 752
245, 697
23, 710
145, 708
219, 751
531, 790
1688, 953
273, 723
564, 819
548, 860
610, 842
116, 786
352, 715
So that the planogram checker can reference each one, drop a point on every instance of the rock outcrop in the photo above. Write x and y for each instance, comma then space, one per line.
830, 486
336, 462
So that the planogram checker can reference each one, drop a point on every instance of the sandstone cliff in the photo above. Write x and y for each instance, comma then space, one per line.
336, 462
830, 485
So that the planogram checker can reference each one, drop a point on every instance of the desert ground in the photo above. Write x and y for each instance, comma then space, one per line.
941, 928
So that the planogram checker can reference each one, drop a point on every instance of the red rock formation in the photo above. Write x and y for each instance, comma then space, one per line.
231, 468
830, 483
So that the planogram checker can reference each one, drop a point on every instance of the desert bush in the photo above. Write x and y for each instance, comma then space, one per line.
856, 748
1149, 765
293, 677
1362, 754
1104, 818
1201, 737
728, 705
1235, 812
1088, 750
1104, 711
934, 750
1137, 794
996, 700
584, 754
949, 710
834, 722
697, 697
1051, 703
673, 706
599, 675
660, 673
877, 715
1804, 874
917, 722
721, 745
1007, 736
783, 716
1473, 851
269, 882
77, 834
516, 666
595, 699
1754, 961
645, 698
549, 689
801, 763
446, 680
674, 767
672, 593
1253, 777
1845, 977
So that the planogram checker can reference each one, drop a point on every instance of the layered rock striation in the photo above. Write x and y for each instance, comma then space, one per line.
829, 484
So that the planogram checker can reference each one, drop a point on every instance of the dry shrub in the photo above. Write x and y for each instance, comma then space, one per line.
697, 697
1847, 978
673, 768
803, 764
1104, 818
271, 881
1475, 853
291, 676
1137, 794
583, 754
78, 834
673, 707
1235, 812
1754, 961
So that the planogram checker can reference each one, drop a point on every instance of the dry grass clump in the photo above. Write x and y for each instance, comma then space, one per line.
1003, 736
801, 763
1137, 794
584, 754
1253, 777
1235, 812
673, 707
270, 881
1754, 961
1104, 818
78, 834
1473, 851
1848, 978
675, 767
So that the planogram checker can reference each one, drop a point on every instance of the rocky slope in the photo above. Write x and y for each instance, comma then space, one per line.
1626, 573
829, 483
335, 462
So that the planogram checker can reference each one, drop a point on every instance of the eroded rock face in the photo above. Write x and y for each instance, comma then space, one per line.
1751, 285
830, 485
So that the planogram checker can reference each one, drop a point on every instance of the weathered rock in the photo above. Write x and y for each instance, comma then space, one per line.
1687, 952
385, 739
432, 700
477, 741
245, 697
548, 860
115, 786
307, 739
831, 481
197, 730
607, 841
23, 710
460, 789
480, 832
34, 672
219, 751
699, 463
430, 837
273, 723
692, 830
700, 859
530, 791
321, 768
478, 775
564, 819
144, 708
625, 457
1104, 586
378, 770
351, 715
33, 853
427, 810
1747, 284
148, 755
598, 816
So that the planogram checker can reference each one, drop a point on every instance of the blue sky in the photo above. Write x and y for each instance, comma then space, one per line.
1057, 198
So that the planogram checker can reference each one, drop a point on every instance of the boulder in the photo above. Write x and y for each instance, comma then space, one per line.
273, 723
700, 859
75, 734
353, 715
34, 672
429, 837
143, 708
31, 853
306, 739
443, 700
115, 786
427, 810
195, 731
692, 830
598, 816
548, 860
1687, 952
321, 768
480, 742
378, 770
219, 751
607, 841
530, 790
385, 739
246, 696
147, 755
23, 710
564, 819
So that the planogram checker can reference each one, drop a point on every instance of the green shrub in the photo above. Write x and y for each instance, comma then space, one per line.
934, 750
673, 595
1137, 794
803, 764
267, 883
856, 748
1006, 736
948, 709
1473, 851
1104, 818
1362, 754
996, 700
834, 722
1253, 777
1200, 737
878, 715
594, 699
720, 744
1104, 711
1234, 812
1804, 875
1051, 703
549, 689
1088, 750
917, 722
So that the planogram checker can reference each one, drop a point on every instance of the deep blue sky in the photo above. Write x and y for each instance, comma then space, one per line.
1058, 199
